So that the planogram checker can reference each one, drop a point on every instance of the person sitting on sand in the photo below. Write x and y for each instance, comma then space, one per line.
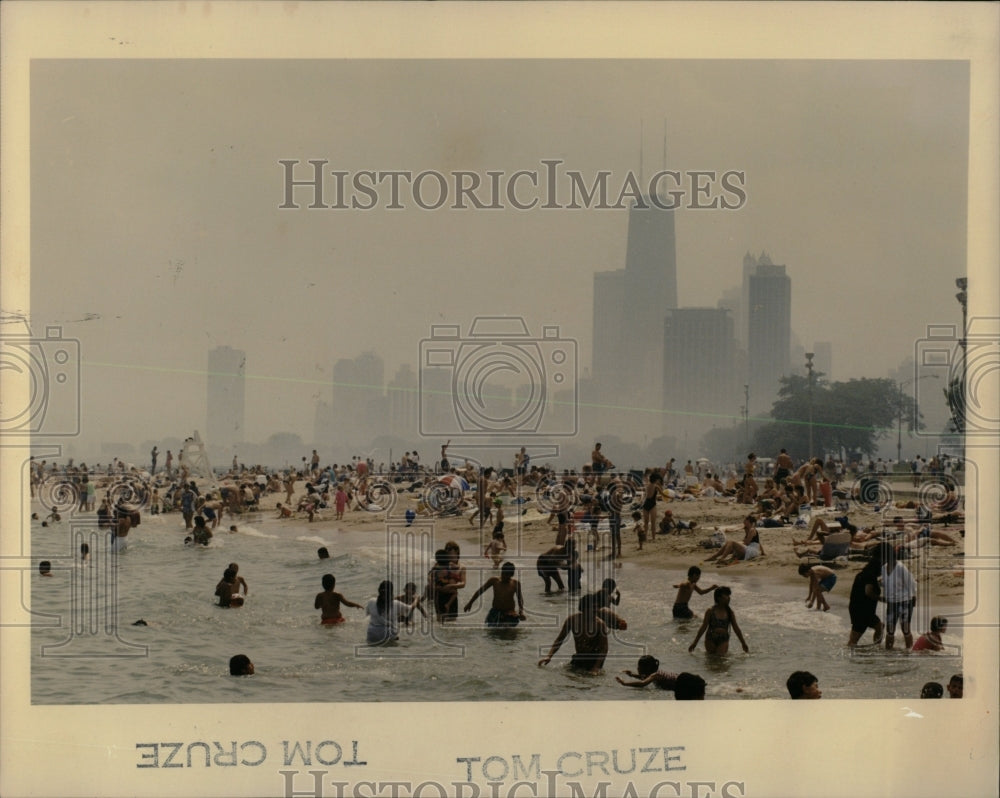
734, 550
283, 511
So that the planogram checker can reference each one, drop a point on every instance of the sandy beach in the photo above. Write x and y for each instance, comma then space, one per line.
940, 566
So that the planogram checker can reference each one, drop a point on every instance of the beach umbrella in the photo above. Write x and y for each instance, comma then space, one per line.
455, 481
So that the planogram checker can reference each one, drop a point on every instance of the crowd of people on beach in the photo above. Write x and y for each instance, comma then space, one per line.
779, 494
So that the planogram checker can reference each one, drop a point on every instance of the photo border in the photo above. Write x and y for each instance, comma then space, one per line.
768, 748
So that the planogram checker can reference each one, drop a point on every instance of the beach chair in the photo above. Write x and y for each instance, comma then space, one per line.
835, 550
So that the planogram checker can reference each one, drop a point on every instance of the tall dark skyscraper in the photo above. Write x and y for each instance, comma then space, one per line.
769, 328
629, 307
226, 397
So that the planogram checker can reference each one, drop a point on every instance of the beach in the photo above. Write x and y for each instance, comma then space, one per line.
180, 652
676, 552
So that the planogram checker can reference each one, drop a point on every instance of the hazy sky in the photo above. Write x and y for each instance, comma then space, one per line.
156, 231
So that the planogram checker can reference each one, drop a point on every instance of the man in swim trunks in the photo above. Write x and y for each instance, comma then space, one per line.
821, 580
590, 636
863, 602
548, 567
226, 590
685, 589
598, 462
329, 602
782, 467
506, 589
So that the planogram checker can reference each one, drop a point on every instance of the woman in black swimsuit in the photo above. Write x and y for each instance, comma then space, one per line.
718, 619
654, 486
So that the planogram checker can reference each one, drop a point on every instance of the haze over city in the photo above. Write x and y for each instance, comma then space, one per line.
158, 232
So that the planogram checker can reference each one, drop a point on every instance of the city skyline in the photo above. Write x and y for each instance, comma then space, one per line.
206, 255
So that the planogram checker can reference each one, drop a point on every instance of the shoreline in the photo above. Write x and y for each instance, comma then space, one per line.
941, 567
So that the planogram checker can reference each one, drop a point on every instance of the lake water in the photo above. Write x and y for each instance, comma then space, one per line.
85, 649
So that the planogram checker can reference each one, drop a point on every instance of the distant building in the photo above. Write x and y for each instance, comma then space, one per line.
700, 377
226, 400
629, 306
403, 399
359, 404
769, 329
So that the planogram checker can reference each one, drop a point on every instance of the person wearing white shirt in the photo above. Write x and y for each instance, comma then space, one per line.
899, 591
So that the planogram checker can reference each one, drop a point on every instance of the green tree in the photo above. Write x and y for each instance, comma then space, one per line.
847, 416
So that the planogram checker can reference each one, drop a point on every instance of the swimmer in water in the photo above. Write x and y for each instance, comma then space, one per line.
648, 672
226, 590
329, 602
718, 619
506, 590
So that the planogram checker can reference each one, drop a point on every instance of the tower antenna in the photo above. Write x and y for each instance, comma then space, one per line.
664, 144
640, 152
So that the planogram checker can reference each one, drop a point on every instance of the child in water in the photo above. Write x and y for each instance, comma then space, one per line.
495, 548
408, 596
329, 602
718, 619
648, 672
932, 640
227, 589
684, 591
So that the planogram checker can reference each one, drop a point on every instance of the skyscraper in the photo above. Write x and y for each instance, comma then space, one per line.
224, 425
769, 329
629, 306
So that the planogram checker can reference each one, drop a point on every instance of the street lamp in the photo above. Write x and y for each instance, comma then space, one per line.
809, 368
899, 417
